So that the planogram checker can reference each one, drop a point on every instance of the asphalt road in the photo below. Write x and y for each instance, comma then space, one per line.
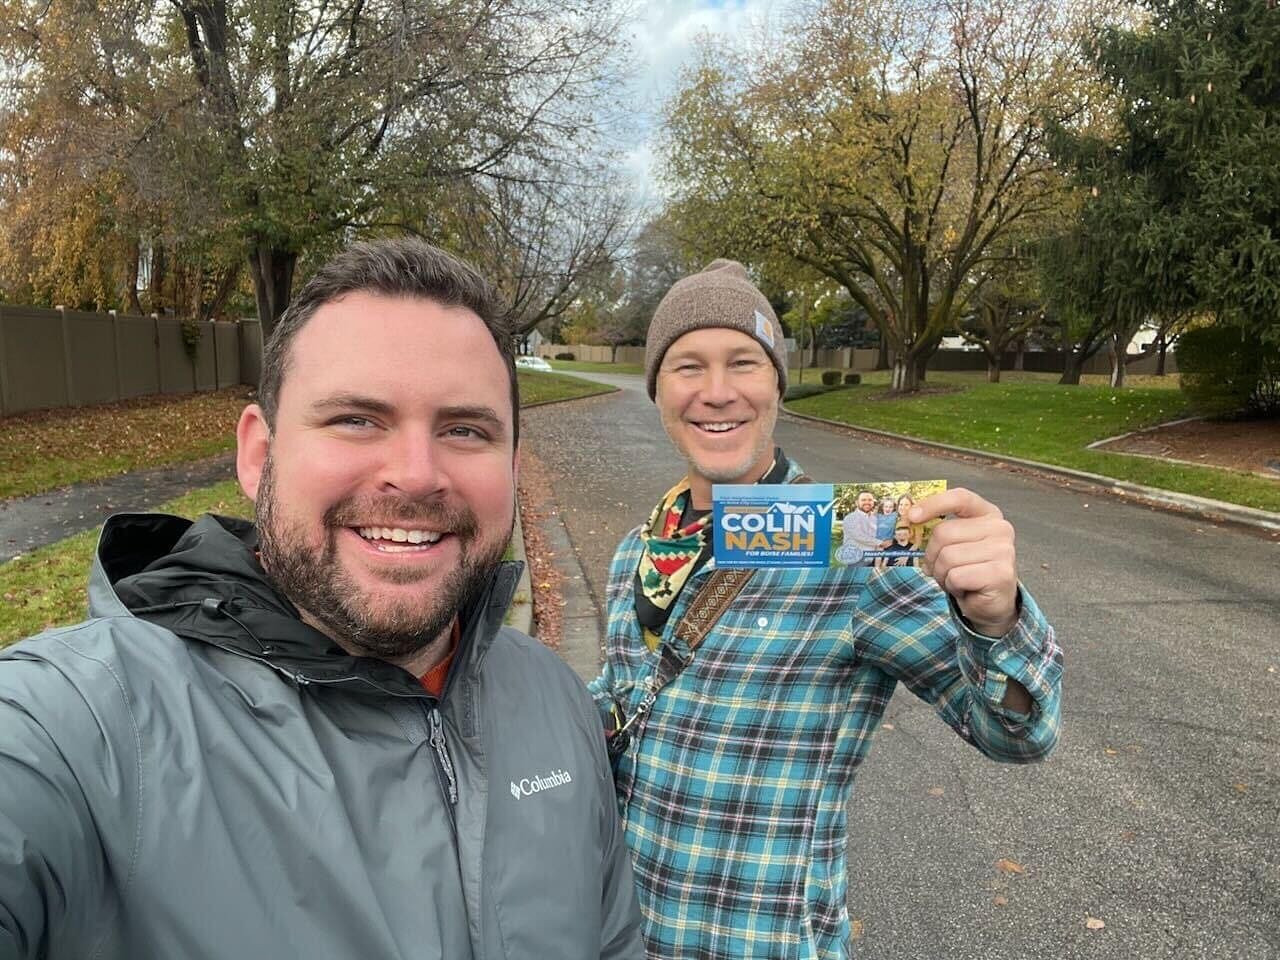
1159, 813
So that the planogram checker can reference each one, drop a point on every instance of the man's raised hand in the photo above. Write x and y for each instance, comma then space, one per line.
971, 555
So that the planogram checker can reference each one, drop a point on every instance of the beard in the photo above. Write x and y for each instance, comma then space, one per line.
318, 584
734, 472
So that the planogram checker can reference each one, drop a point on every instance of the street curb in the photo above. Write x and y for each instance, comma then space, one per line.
520, 612
1153, 496
581, 636
1101, 445
1133, 433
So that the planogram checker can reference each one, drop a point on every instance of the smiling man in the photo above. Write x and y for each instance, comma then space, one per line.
739, 704
314, 737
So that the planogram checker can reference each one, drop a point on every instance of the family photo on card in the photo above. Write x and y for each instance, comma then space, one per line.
871, 528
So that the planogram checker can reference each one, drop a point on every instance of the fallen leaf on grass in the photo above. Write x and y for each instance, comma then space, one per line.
1109, 752
936, 791
855, 929
1093, 923
1005, 865
1240, 787
1000, 901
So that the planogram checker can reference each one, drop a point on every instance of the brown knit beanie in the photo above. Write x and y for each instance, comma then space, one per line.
720, 295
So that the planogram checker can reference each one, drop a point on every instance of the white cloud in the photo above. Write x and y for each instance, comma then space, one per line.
664, 42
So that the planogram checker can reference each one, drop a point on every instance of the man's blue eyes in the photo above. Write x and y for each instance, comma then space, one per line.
460, 431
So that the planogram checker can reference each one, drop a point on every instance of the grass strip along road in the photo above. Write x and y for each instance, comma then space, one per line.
1045, 422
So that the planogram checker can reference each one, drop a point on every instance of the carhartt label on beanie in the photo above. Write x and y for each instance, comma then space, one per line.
719, 295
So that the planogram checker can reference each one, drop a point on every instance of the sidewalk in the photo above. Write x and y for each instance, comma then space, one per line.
43, 518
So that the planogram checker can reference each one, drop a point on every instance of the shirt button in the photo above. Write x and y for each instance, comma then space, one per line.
762, 622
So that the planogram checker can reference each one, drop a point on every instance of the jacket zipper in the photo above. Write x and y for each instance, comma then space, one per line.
444, 765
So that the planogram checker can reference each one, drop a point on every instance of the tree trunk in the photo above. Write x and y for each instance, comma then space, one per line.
1119, 360
1073, 360
922, 368
131, 301
226, 284
159, 264
272, 283
1020, 357
613, 353
923, 355
993, 369
906, 374
882, 354
1162, 348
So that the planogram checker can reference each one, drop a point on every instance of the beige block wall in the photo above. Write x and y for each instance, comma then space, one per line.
136, 356
226, 352
91, 348
56, 358
33, 364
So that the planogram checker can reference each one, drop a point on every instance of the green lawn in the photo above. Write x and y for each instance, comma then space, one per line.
538, 388
1032, 417
46, 587
52, 448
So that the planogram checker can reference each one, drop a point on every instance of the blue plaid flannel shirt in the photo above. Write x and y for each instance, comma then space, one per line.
734, 792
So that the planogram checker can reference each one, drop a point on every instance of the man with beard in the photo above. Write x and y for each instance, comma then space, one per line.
739, 703
315, 737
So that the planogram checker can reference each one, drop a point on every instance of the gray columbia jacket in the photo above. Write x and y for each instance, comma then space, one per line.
195, 773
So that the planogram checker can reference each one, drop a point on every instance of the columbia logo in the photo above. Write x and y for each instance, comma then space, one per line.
531, 785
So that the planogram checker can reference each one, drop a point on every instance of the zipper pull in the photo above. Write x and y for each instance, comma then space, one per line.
442, 753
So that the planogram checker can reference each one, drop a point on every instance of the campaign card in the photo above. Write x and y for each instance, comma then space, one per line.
771, 524
819, 524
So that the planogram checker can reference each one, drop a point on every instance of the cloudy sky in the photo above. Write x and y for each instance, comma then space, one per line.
664, 37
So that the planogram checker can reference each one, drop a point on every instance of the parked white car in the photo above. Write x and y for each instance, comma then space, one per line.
533, 363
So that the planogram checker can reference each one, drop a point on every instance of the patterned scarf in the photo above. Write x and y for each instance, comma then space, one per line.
673, 553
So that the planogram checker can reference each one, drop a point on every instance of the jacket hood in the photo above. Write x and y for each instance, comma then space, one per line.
202, 580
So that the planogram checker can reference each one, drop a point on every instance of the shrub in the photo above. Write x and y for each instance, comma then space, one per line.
565, 356
1226, 371
831, 377
797, 391
852, 378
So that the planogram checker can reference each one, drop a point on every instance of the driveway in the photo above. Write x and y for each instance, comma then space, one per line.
1159, 814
